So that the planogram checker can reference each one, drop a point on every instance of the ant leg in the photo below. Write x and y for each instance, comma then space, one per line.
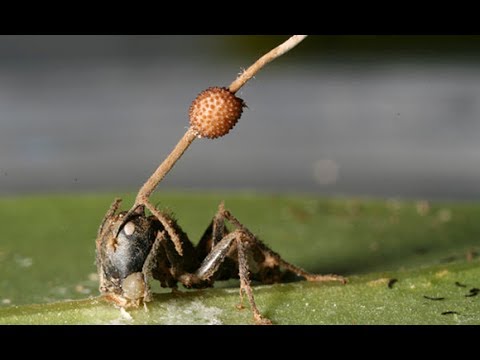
242, 240
216, 256
169, 225
151, 263
211, 264
245, 284
164, 264
110, 212
272, 258
104, 228
109, 215
214, 233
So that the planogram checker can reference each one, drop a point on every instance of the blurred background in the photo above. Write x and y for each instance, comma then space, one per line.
388, 116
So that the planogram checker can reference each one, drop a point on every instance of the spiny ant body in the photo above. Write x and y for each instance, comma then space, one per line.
131, 250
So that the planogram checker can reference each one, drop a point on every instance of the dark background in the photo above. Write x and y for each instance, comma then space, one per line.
390, 116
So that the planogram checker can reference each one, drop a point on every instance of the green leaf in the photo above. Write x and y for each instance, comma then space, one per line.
47, 259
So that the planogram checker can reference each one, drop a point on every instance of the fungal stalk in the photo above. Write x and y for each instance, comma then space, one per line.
213, 113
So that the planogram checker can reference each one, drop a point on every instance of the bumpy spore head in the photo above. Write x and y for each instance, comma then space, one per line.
214, 112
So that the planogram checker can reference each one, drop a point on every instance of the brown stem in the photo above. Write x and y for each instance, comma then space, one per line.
150, 185
264, 60
167, 164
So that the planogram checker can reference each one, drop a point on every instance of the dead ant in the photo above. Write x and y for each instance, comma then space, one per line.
132, 247
144, 248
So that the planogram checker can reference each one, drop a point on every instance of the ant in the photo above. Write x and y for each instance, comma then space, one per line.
133, 248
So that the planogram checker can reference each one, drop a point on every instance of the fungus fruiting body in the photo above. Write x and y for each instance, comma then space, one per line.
214, 112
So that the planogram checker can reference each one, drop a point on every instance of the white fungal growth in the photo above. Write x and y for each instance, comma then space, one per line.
124, 319
194, 312
129, 228
125, 314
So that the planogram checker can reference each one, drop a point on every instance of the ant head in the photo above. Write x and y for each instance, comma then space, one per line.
123, 245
